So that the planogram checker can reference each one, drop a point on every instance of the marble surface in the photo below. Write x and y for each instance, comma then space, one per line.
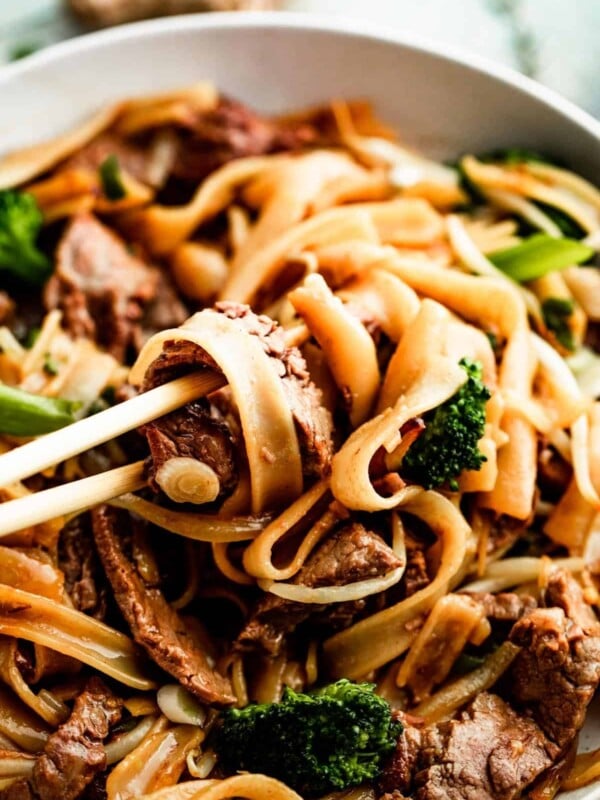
555, 41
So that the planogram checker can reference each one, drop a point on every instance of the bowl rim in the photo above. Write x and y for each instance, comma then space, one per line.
304, 21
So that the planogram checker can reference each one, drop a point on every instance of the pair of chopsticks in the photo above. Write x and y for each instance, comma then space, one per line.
53, 448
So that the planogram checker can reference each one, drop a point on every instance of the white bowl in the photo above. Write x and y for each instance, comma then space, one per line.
440, 101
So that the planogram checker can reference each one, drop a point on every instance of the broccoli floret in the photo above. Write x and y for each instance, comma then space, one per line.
332, 739
448, 445
20, 222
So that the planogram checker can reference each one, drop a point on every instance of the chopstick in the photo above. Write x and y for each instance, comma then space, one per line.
15, 515
30, 458
53, 448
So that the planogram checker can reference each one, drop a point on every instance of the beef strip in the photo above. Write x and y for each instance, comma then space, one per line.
556, 674
132, 158
488, 752
165, 309
153, 623
504, 532
312, 420
351, 554
397, 775
192, 432
563, 591
416, 576
232, 130
504, 606
493, 750
554, 473
74, 754
100, 286
78, 560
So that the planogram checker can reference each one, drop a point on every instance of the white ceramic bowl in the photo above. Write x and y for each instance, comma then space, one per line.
440, 101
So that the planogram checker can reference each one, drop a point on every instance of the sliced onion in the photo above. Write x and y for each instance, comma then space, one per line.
332, 594
16, 765
200, 527
513, 571
178, 705
124, 744
201, 767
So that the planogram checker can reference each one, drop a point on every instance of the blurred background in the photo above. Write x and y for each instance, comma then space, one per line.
555, 41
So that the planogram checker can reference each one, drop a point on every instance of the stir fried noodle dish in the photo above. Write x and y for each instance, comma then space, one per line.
299, 462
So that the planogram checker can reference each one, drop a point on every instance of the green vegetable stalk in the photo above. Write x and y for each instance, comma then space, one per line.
20, 223
25, 414
112, 181
450, 442
538, 255
332, 739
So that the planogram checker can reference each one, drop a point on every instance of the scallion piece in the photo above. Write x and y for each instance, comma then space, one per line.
538, 255
112, 180
26, 414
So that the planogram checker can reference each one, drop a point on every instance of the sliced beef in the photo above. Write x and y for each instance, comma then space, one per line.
165, 309
563, 591
133, 158
504, 532
74, 754
153, 623
554, 473
192, 432
19, 790
351, 554
397, 776
100, 287
313, 421
78, 560
556, 674
232, 130
488, 752
416, 576
504, 606
496, 748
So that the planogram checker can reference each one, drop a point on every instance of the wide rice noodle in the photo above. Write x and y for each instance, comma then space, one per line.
348, 348
410, 222
158, 761
247, 786
45, 622
350, 479
384, 635
258, 556
268, 427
